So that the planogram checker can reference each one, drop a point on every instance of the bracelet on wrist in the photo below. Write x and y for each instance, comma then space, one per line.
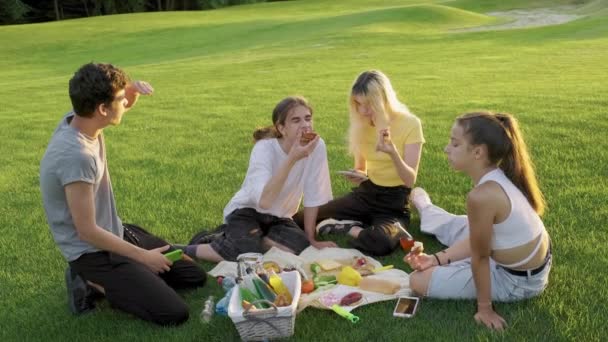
437, 258
446, 253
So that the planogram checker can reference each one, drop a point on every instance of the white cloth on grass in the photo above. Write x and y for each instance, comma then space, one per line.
312, 254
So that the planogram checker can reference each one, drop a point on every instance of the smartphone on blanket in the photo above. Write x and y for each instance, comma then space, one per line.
406, 307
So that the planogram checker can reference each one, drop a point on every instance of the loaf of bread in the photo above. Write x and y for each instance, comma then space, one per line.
379, 285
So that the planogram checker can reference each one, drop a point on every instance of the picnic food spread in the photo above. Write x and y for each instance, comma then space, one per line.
275, 289
352, 273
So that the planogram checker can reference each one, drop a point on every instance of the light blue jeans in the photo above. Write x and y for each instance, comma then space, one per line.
455, 281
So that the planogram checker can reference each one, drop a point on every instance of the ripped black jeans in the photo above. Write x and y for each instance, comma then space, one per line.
379, 208
245, 229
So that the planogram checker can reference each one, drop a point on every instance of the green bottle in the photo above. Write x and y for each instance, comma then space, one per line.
247, 295
248, 284
264, 290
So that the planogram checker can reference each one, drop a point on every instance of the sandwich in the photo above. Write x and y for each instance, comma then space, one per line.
307, 137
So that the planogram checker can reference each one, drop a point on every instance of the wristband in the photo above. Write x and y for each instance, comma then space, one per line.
437, 258
446, 253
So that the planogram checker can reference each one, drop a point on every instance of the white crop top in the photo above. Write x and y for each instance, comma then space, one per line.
522, 225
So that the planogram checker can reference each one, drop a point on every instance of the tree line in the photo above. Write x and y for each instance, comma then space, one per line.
35, 11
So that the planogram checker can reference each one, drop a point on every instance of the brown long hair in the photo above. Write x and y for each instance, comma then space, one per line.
507, 149
279, 115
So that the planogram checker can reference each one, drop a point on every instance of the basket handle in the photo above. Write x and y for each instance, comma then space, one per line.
249, 313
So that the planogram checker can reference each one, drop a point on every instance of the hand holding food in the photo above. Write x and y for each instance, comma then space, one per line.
418, 248
385, 143
307, 143
417, 259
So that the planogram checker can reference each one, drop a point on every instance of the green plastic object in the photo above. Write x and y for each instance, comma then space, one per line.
384, 268
249, 292
247, 295
264, 290
342, 312
323, 280
174, 255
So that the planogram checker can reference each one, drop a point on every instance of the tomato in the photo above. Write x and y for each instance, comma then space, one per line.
308, 286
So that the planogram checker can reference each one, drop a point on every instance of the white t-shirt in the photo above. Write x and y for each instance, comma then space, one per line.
309, 177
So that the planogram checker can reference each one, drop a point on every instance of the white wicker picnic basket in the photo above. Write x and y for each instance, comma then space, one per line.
274, 322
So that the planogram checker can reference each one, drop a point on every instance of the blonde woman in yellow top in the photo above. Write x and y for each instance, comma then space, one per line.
386, 142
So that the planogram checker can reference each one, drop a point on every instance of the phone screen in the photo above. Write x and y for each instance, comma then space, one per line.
406, 306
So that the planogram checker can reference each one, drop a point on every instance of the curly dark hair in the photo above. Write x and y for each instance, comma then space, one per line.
94, 84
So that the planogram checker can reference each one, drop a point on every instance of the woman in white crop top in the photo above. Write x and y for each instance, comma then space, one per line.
499, 251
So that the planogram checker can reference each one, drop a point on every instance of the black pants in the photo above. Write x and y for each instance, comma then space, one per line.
132, 287
245, 229
382, 210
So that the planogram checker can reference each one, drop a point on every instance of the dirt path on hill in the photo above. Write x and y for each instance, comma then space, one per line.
530, 18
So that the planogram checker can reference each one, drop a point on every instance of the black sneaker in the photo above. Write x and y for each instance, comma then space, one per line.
333, 226
81, 297
204, 237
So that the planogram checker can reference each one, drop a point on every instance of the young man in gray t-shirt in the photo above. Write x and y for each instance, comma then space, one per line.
105, 256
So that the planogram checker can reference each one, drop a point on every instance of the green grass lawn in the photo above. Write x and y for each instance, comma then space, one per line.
181, 154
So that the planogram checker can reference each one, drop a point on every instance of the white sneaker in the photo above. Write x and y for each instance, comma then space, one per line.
333, 226
420, 199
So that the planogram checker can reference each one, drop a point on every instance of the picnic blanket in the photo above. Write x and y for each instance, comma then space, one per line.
311, 254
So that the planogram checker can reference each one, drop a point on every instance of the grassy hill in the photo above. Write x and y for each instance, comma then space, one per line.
180, 155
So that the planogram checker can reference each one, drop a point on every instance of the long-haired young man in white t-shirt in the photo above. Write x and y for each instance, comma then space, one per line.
288, 164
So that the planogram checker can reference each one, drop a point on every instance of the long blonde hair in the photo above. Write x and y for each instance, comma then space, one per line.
507, 149
377, 88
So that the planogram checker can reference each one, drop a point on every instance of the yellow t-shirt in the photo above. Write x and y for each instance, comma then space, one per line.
405, 130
